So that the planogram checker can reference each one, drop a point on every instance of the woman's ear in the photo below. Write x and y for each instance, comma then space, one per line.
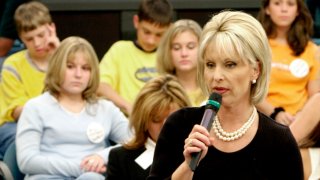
267, 11
256, 70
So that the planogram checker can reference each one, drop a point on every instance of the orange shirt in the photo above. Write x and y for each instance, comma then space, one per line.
290, 76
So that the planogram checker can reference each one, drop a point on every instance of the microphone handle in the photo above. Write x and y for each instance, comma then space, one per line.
195, 157
206, 122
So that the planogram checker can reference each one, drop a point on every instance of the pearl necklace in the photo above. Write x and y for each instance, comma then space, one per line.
231, 136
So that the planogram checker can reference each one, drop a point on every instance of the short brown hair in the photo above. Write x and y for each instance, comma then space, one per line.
156, 11
29, 16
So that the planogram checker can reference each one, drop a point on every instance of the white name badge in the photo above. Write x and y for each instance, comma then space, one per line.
145, 159
299, 68
95, 132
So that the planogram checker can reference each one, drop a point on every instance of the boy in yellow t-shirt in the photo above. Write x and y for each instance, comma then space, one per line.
128, 65
23, 73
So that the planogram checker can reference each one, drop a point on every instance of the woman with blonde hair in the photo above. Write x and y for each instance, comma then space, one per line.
234, 61
156, 101
63, 133
177, 55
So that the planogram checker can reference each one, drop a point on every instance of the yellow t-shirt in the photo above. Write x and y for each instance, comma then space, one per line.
20, 81
127, 68
290, 76
196, 97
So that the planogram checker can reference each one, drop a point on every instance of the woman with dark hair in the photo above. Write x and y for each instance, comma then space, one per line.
294, 79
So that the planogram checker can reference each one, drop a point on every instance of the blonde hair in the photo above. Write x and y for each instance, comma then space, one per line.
164, 57
154, 98
58, 62
237, 34
29, 16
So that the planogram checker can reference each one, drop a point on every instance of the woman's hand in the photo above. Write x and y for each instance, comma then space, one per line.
199, 139
93, 163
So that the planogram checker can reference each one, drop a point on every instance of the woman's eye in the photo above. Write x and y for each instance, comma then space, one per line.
69, 66
231, 65
176, 47
191, 45
210, 65
87, 68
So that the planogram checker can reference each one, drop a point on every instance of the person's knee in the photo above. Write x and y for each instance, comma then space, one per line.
8, 130
91, 175
7, 136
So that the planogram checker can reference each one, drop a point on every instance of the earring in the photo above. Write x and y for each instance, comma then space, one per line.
254, 81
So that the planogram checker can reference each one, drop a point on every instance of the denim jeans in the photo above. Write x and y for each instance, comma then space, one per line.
7, 136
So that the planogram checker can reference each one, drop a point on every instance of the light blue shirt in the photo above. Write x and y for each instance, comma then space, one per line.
51, 140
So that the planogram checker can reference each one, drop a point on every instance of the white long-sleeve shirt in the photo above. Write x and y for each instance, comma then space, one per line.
51, 140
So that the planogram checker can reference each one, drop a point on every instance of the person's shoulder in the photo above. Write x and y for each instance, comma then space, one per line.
123, 44
16, 58
311, 43
117, 50
271, 125
107, 106
192, 110
123, 152
105, 103
312, 46
117, 150
187, 115
40, 100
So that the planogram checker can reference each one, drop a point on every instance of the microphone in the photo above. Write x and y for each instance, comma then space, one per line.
212, 107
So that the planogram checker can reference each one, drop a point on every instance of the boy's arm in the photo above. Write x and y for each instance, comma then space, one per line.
13, 94
105, 90
17, 112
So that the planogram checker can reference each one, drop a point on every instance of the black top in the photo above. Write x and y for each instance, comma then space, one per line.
272, 154
121, 165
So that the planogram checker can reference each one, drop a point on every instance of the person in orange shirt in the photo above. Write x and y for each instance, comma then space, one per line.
294, 85
295, 70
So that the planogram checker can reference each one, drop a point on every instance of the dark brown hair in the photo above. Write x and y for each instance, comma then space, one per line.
156, 11
300, 31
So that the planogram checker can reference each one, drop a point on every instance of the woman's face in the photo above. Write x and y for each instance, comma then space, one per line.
229, 76
156, 124
282, 12
77, 75
184, 49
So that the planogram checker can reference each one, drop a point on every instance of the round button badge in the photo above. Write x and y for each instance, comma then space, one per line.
299, 68
95, 132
